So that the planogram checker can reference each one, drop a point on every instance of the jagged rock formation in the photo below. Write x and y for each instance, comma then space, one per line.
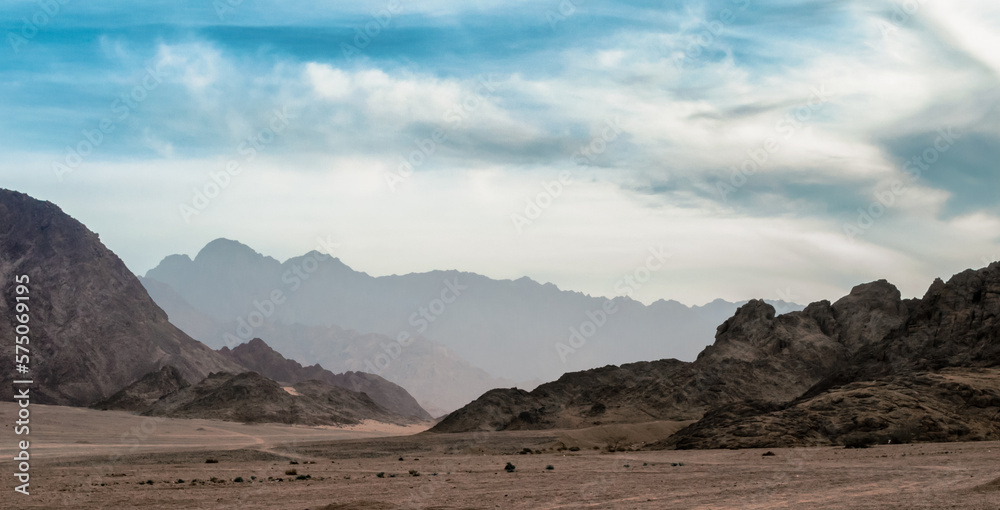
252, 398
257, 356
94, 328
869, 367
754, 357
921, 369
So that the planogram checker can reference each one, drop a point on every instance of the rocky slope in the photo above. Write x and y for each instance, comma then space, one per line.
931, 376
252, 398
94, 328
953, 404
143, 393
257, 356
757, 355
868, 366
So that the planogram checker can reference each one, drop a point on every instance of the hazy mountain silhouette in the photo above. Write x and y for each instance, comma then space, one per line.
440, 380
519, 330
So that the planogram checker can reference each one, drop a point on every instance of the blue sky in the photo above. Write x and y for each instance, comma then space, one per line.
768, 146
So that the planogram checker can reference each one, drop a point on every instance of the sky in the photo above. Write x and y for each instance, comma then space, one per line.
696, 150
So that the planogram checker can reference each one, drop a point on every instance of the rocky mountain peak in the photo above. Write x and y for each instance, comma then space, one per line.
227, 251
96, 329
752, 323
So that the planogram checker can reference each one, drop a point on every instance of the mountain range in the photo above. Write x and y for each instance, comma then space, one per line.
96, 337
446, 336
868, 368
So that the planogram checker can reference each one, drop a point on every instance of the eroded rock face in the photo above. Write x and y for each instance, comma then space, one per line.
955, 323
869, 313
94, 329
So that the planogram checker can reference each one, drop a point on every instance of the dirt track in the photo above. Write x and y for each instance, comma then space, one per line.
74, 457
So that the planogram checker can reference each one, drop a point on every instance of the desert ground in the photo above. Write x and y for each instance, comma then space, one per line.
91, 459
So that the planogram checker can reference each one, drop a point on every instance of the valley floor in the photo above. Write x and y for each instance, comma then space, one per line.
90, 459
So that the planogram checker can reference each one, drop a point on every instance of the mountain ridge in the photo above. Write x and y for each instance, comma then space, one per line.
534, 321
950, 338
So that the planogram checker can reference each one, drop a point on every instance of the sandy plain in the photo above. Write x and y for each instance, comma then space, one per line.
96, 460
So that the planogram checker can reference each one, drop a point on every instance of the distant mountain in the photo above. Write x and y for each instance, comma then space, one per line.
93, 327
870, 368
257, 356
519, 330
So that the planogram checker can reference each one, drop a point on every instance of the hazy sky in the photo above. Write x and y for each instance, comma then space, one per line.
740, 137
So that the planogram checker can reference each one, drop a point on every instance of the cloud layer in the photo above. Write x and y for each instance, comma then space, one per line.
786, 151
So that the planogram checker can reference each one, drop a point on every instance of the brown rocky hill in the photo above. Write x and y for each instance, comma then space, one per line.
94, 329
953, 404
756, 356
755, 384
252, 398
143, 393
933, 377
257, 356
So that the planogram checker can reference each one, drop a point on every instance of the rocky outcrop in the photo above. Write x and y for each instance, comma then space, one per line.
252, 398
954, 404
257, 356
756, 355
94, 328
770, 381
143, 393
